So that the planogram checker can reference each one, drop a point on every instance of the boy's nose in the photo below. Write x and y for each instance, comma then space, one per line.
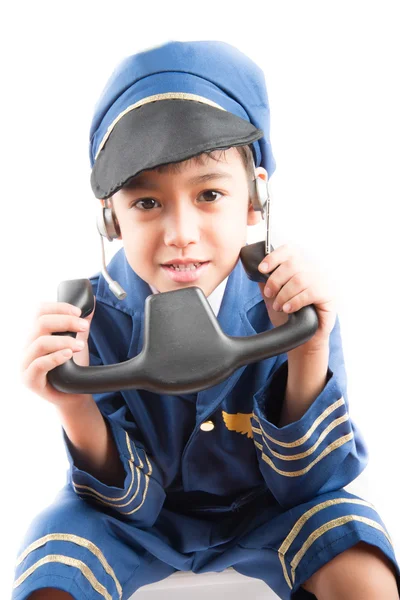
181, 228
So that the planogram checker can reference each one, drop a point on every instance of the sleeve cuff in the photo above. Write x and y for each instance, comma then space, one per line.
297, 459
328, 411
142, 496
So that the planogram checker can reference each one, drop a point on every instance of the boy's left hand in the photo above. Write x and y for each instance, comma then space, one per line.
295, 284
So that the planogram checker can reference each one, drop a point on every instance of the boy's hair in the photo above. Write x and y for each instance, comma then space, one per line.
244, 151
245, 154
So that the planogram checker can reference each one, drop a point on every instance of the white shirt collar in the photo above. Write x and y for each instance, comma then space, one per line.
214, 299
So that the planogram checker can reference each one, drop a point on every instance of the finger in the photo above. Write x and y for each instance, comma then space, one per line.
62, 308
83, 335
49, 308
35, 376
57, 323
297, 302
305, 298
277, 256
296, 284
48, 344
280, 277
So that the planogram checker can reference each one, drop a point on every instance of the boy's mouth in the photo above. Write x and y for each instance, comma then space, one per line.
185, 271
184, 266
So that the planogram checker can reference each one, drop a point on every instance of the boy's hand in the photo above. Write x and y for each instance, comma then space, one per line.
294, 284
44, 351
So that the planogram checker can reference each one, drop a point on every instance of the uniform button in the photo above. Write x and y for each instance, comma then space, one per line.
207, 426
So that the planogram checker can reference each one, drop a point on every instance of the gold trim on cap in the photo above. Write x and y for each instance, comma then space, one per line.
155, 98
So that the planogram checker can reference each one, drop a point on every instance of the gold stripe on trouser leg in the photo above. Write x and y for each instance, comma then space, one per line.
327, 527
74, 539
294, 532
71, 562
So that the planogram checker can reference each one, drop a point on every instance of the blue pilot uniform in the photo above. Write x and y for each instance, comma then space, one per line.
211, 481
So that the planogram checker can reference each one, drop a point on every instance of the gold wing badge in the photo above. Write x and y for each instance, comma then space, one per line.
239, 422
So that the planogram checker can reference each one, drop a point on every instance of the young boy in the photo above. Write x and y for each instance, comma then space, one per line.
249, 473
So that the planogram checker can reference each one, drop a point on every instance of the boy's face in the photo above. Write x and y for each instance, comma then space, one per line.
185, 227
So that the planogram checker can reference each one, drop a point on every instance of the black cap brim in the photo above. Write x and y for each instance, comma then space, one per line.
162, 132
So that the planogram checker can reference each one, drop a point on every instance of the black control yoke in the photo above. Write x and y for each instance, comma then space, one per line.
184, 349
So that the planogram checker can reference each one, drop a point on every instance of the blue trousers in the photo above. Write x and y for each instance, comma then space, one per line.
74, 545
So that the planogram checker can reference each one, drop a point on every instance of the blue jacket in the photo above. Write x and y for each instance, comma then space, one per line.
171, 461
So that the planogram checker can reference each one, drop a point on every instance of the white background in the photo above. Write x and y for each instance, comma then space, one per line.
333, 81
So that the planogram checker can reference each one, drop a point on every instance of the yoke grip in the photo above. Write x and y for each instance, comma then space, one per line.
251, 256
78, 292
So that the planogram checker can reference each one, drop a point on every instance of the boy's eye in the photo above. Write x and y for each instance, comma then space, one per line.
208, 195
150, 203
146, 203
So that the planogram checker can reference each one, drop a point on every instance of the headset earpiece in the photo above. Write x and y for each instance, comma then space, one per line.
259, 193
107, 224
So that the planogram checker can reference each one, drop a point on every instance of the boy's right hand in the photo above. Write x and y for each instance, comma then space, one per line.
45, 351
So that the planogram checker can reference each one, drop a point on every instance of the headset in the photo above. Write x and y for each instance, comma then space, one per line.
108, 228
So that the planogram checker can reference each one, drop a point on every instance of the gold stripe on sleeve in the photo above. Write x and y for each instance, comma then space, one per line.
94, 492
90, 493
71, 562
309, 433
131, 461
147, 477
319, 441
128, 443
102, 499
334, 446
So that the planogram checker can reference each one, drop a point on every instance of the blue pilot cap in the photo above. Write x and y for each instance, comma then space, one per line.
175, 101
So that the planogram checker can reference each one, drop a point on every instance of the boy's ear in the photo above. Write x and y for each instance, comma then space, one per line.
254, 216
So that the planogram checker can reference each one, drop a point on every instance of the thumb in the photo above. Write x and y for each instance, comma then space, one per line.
82, 357
83, 335
90, 317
